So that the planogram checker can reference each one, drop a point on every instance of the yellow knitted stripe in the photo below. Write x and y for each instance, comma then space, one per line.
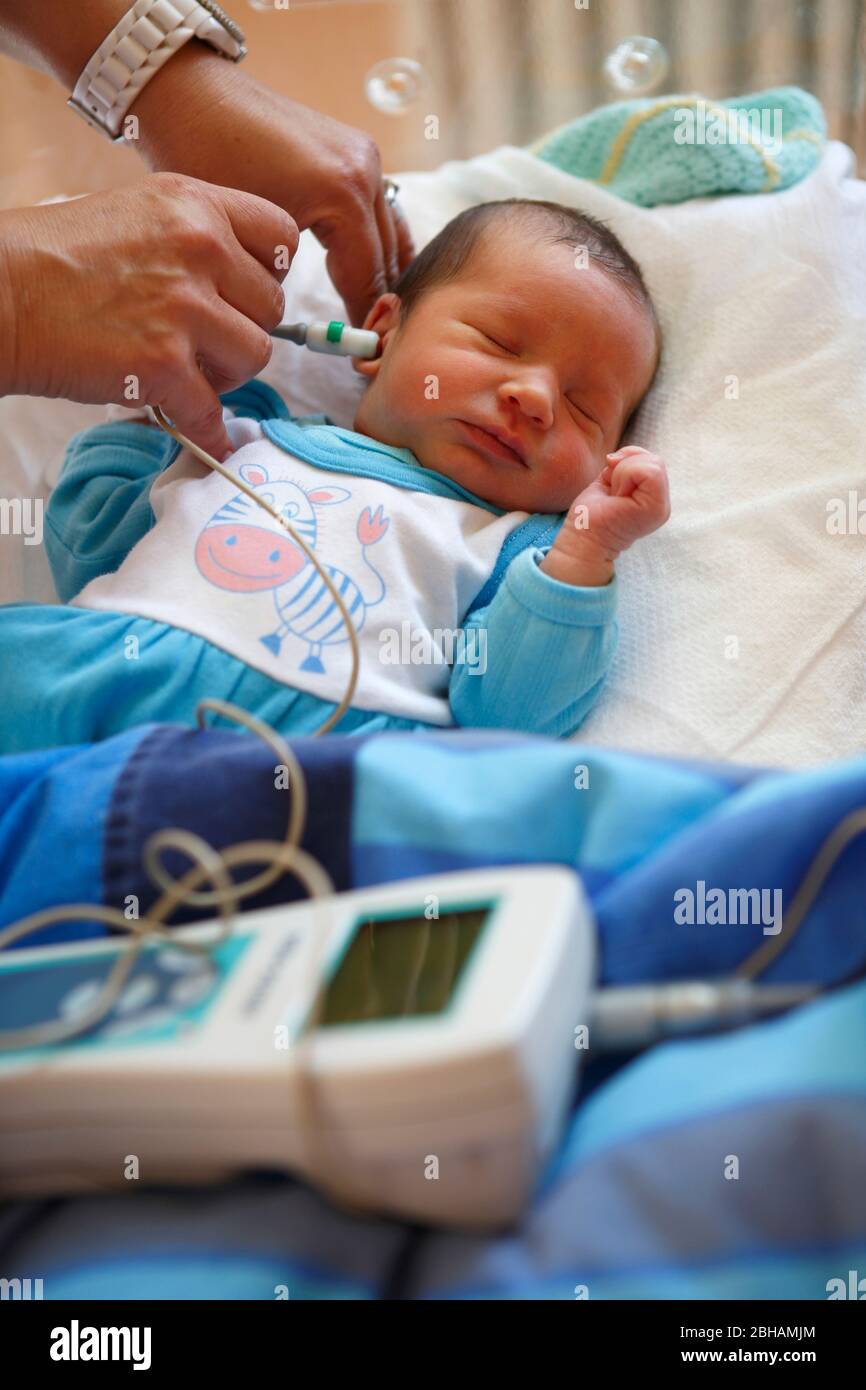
804, 134
545, 139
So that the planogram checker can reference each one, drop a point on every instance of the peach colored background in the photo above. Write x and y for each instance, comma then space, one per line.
499, 71
316, 55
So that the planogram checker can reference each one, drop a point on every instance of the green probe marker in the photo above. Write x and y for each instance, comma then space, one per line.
334, 338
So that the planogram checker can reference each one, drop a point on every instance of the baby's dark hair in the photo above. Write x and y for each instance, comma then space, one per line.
444, 257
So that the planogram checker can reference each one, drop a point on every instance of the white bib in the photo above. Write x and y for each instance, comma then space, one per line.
407, 564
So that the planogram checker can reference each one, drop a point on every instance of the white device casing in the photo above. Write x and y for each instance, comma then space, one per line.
481, 1087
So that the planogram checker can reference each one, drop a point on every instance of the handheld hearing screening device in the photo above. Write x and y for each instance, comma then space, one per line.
336, 338
410, 1049
434, 1085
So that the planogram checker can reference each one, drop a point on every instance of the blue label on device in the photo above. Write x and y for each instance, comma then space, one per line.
168, 993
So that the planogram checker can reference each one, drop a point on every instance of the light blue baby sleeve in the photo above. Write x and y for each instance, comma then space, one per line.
100, 507
535, 657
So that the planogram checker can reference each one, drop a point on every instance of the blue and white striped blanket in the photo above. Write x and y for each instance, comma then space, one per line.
641, 1201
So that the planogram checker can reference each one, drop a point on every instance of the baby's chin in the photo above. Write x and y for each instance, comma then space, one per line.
478, 478
444, 456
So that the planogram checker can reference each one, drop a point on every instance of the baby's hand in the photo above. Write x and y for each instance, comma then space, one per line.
627, 500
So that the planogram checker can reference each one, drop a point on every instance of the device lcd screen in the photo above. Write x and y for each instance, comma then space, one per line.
401, 967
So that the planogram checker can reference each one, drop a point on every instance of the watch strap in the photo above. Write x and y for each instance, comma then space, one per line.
138, 46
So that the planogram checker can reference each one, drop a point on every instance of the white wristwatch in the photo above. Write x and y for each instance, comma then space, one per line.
145, 38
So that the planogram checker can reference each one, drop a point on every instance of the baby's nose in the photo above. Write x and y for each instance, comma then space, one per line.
533, 400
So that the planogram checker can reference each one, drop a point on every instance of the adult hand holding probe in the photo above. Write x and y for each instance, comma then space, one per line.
183, 316
163, 293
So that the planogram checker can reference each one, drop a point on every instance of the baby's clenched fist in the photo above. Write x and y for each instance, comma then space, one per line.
627, 500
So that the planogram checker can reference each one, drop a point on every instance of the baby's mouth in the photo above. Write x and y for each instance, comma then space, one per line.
483, 439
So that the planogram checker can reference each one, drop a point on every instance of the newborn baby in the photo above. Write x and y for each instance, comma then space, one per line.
538, 367
514, 352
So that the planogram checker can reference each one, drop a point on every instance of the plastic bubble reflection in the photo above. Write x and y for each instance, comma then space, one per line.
394, 85
636, 65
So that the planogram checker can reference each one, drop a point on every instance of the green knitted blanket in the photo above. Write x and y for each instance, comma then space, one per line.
666, 149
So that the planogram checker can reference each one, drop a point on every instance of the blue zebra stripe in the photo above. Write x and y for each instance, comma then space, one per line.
307, 608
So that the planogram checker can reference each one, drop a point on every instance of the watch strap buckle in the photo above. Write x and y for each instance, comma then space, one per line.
94, 120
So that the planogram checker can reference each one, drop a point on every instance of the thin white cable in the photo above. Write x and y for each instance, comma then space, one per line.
208, 863
250, 492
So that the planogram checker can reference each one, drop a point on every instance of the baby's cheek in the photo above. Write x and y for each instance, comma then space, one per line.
458, 379
574, 472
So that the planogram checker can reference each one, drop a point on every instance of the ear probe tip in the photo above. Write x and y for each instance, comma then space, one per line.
335, 338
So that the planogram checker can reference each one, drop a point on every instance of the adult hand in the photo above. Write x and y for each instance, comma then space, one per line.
161, 293
205, 117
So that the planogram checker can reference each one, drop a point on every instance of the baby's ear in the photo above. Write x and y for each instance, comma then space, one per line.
361, 364
384, 319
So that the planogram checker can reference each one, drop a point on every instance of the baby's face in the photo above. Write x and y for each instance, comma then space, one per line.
550, 357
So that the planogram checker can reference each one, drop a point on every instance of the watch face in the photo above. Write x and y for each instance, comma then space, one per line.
228, 24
